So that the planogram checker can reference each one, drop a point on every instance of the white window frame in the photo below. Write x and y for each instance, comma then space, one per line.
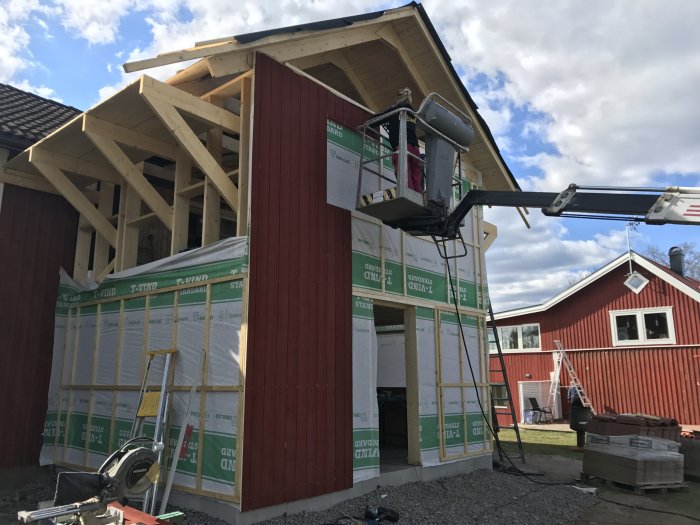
639, 313
521, 347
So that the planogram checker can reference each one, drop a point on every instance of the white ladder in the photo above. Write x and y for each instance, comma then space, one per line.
154, 404
563, 359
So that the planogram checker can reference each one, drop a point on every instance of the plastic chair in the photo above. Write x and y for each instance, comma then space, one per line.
540, 411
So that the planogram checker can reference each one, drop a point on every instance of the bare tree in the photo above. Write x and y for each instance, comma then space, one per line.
691, 259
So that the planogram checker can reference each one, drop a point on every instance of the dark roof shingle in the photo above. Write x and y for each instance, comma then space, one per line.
26, 118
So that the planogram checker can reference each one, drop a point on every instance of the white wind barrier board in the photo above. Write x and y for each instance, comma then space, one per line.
393, 266
365, 411
192, 302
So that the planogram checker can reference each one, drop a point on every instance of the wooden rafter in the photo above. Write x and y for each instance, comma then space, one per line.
74, 165
222, 65
209, 114
133, 176
26, 180
79, 201
128, 137
340, 60
194, 147
232, 88
389, 36
229, 45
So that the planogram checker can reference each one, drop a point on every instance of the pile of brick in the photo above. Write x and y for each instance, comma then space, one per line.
634, 424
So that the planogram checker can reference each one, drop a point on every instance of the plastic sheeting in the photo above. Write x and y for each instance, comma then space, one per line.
191, 302
365, 411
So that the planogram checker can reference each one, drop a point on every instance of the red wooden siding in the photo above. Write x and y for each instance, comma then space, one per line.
582, 321
37, 237
298, 390
663, 380
659, 381
538, 366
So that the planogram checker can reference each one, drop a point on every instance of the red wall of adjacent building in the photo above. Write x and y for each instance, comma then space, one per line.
660, 380
298, 385
37, 237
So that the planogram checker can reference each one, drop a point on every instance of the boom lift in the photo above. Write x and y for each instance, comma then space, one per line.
446, 131
447, 134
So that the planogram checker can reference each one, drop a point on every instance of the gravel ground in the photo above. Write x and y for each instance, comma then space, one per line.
479, 497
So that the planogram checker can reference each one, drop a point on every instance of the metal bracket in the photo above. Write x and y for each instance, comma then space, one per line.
561, 202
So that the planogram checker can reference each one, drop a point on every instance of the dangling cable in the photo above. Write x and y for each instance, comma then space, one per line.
476, 389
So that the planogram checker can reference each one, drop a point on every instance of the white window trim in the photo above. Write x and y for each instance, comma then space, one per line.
639, 313
520, 348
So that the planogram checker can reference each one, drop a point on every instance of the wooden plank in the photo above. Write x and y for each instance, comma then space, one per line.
222, 65
340, 59
211, 217
128, 137
100, 256
26, 180
107, 270
79, 201
198, 153
142, 219
79, 167
133, 176
192, 190
389, 35
244, 155
81, 263
194, 106
130, 208
412, 387
232, 88
181, 204
230, 45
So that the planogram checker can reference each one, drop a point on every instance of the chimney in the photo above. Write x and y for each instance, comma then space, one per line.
675, 256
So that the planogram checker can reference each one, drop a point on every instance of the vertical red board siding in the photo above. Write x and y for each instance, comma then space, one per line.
663, 381
37, 237
518, 367
298, 390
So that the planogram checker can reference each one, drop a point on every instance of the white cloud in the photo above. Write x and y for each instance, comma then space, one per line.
616, 80
528, 266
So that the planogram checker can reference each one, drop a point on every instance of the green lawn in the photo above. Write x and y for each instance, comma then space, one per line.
541, 442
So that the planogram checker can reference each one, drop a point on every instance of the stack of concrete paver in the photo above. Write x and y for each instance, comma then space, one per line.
639, 461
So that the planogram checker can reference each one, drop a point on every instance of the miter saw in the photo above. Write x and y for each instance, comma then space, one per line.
83, 497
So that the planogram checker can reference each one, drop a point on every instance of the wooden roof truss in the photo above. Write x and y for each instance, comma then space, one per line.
143, 163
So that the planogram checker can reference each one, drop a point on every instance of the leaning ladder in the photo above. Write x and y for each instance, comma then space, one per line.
154, 404
510, 410
562, 358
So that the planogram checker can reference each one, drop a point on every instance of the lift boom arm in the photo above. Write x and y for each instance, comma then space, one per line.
653, 206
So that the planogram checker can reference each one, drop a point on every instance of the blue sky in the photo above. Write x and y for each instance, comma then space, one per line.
602, 92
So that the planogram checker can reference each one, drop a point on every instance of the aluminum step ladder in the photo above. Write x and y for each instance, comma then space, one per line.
562, 358
498, 401
154, 404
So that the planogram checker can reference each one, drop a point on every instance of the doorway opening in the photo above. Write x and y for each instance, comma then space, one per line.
392, 391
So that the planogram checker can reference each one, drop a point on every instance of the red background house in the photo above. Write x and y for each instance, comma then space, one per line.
634, 352
37, 237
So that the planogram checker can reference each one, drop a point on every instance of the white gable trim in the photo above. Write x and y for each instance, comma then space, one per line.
622, 259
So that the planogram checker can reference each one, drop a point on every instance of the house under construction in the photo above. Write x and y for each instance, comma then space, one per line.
209, 222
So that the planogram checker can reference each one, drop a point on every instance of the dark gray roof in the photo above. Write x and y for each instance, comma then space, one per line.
26, 118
